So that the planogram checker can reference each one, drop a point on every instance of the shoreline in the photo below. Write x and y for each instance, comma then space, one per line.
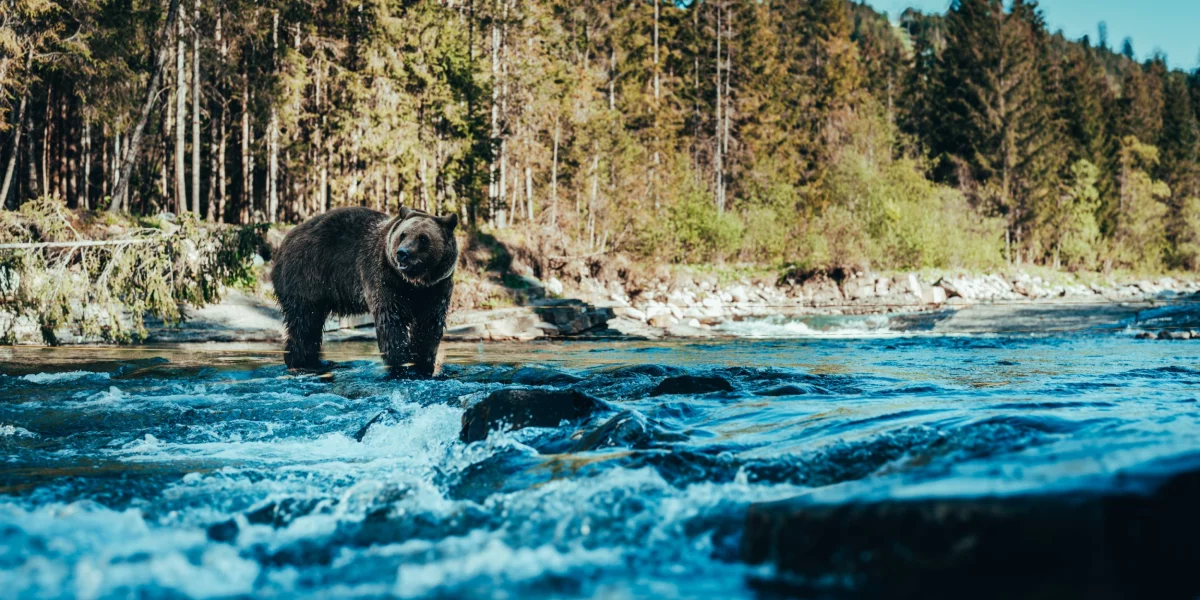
690, 308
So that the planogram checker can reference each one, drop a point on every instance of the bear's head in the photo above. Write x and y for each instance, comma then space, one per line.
421, 247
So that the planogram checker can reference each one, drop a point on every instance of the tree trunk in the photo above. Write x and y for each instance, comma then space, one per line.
529, 192
73, 152
196, 108
181, 94
31, 161
247, 168
719, 158
493, 182
554, 174
85, 190
16, 149
591, 216
657, 97
273, 137
47, 137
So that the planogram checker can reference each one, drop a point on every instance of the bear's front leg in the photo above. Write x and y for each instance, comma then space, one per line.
429, 322
394, 334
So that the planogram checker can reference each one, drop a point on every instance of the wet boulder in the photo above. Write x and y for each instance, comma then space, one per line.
1064, 544
692, 384
514, 409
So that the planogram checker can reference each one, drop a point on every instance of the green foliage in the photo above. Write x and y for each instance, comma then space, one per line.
107, 291
1070, 224
816, 132
1140, 239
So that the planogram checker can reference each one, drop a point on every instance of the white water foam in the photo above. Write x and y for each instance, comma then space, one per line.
45, 378
874, 326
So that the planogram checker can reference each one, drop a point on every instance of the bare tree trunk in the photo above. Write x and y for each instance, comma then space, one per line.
424, 184
181, 94
85, 190
47, 185
222, 187
168, 132
247, 168
728, 78
105, 167
529, 192
718, 161
31, 160
16, 148
657, 97
493, 180
591, 216
273, 137
117, 165
72, 151
554, 174
196, 108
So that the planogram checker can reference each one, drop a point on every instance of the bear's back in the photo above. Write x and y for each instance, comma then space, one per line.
320, 260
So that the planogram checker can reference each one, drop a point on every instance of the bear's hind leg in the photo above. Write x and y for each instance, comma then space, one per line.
303, 347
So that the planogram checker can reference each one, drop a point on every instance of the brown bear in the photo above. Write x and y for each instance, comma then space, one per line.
351, 261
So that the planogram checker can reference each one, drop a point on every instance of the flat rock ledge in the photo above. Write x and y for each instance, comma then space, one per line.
1135, 541
547, 318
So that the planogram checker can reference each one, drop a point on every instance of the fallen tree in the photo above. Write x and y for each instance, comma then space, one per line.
99, 276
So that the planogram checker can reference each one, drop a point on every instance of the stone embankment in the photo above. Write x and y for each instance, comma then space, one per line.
687, 306
691, 307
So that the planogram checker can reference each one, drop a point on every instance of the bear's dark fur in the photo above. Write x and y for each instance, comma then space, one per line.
352, 261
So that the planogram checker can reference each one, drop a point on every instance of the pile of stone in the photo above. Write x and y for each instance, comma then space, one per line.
689, 306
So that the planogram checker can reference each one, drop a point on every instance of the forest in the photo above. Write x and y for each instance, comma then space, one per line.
802, 132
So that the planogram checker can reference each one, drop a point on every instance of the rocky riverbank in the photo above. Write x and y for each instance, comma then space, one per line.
679, 304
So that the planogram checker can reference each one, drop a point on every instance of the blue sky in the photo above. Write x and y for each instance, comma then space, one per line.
1172, 26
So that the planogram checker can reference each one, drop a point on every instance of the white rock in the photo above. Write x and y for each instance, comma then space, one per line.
739, 294
631, 312
675, 311
554, 286
711, 302
938, 295
914, 284
694, 323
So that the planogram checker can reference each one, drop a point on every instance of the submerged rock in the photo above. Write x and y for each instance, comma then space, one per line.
515, 409
387, 417
692, 384
1082, 544
625, 430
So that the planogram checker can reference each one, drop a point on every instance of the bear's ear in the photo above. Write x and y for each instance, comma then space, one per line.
449, 221
405, 212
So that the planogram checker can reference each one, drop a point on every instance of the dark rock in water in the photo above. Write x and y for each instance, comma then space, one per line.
225, 531
650, 370
540, 376
279, 514
387, 417
1145, 335
785, 390
1167, 334
1083, 544
692, 384
520, 408
625, 430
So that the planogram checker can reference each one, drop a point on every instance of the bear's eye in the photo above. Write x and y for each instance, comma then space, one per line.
424, 240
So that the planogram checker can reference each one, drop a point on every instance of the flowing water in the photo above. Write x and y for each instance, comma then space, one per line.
203, 472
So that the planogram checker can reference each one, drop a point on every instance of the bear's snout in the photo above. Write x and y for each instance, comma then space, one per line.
404, 258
